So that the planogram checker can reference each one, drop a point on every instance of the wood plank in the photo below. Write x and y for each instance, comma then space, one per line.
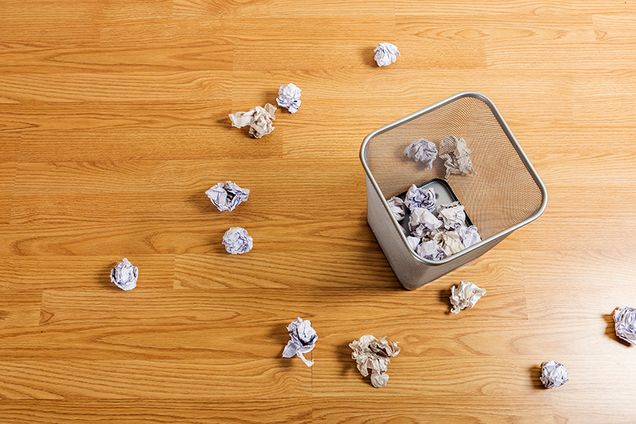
152, 411
125, 379
107, 87
503, 10
301, 8
435, 409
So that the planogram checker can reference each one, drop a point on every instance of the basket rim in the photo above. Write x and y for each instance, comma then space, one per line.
511, 138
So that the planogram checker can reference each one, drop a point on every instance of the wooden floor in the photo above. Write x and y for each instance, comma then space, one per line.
113, 123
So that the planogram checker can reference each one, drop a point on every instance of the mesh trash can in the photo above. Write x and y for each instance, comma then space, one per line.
505, 193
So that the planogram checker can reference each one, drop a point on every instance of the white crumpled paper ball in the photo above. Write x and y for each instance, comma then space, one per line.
422, 151
289, 97
453, 215
237, 241
385, 54
431, 250
398, 208
413, 242
302, 339
124, 275
227, 196
468, 235
422, 223
419, 197
449, 241
553, 374
465, 295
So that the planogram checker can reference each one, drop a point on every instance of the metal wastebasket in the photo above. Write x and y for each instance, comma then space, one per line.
505, 193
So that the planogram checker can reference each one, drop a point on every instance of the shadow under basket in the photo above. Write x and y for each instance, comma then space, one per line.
504, 194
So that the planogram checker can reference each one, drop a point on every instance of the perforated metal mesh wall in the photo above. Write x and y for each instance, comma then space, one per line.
502, 194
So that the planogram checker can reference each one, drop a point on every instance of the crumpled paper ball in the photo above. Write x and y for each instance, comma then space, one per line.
262, 121
385, 54
423, 223
237, 241
456, 156
259, 119
449, 241
417, 197
413, 242
453, 215
302, 339
373, 357
289, 97
465, 296
227, 196
124, 275
468, 235
422, 151
625, 324
553, 374
398, 208
431, 250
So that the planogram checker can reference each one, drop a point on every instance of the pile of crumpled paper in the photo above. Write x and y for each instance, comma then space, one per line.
433, 231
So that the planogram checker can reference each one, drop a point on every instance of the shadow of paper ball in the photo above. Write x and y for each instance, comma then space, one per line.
347, 365
443, 296
367, 54
279, 337
104, 275
610, 330
201, 201
535, 373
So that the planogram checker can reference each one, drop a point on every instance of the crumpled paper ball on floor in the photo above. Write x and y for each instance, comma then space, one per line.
385, 54
227, 196
289, 97
625, 324
124, 275
237, 241
373, 357
302, 339
553, 374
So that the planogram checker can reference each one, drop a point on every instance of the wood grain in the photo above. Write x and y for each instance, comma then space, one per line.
148, 411
113, 123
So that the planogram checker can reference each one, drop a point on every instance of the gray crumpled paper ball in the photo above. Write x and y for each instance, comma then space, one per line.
258, 119
625, 324
373, 357
456, 156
